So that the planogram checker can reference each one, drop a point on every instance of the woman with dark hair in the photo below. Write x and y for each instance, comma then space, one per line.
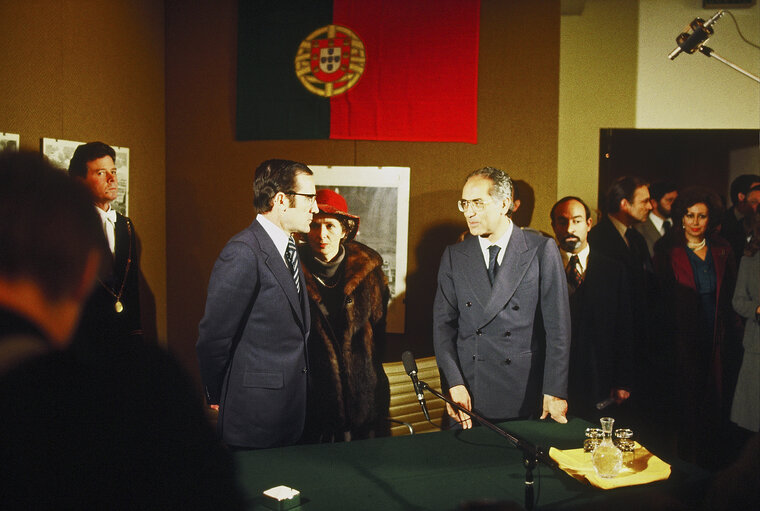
348, 294
745, 410
697, 272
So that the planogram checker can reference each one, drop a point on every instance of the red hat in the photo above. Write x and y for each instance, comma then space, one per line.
332, 203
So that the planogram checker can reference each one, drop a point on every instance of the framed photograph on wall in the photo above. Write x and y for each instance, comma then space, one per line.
60, 151
380, 197
9, 141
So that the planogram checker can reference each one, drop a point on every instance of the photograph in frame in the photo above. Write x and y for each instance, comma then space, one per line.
380, 197
9, 141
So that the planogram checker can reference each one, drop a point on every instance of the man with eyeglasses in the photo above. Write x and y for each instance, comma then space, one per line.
252, 338
501, 319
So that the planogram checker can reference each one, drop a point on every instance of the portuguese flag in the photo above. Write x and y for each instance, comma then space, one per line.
358, 70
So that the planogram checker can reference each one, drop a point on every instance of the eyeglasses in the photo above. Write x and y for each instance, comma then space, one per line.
311, 196
477, 205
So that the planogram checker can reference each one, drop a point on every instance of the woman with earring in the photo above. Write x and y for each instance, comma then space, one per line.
348, 294
697, 273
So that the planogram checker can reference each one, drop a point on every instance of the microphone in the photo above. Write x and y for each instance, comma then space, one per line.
601, 405
410, 366
691, 42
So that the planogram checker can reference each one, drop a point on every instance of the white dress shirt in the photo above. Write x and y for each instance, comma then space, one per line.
501, 242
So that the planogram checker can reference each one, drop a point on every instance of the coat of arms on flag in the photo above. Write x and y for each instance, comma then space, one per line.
330, 60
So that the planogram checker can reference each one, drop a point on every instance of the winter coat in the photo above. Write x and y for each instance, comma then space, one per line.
348, 389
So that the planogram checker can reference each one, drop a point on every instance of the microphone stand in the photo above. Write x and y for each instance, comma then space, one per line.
709, 52
532, 454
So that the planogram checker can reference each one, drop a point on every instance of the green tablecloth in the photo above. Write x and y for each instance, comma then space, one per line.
438, 471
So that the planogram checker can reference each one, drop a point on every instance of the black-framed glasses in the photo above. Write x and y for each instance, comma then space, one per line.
311, 196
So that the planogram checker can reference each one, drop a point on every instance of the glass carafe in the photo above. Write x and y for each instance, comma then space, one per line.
607, 458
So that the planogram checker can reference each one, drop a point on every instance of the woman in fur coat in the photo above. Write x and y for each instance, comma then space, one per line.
348, 295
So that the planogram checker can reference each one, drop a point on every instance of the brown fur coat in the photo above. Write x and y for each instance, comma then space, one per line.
348, 387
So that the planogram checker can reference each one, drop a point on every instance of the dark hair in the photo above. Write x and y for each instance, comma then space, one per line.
47, 244
623, 187
272, 177
742, 184
86, 153
502, 187
659, 189
697, 195
567, 199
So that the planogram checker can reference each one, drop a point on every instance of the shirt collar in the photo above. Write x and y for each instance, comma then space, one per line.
279, 237
582, 258
501, 242
109, 215
620, 227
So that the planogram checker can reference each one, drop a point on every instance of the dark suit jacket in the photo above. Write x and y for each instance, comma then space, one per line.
252, 343
602, 342
646, 303
650, 234
100, 323
508, 343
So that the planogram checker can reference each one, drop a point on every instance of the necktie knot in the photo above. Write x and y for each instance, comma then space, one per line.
493, 263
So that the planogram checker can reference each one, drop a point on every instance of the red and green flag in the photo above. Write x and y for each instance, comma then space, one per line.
358, 70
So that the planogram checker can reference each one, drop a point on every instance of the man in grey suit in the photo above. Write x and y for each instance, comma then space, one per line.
662, 194
252, 338
501, 319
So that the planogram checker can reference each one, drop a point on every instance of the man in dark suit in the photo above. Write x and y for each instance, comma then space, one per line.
662, 194
112, 313
601, 355
732, 226
628, 203
501, 317
252, 338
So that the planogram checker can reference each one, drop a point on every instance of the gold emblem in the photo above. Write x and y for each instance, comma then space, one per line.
330, 61
118, 306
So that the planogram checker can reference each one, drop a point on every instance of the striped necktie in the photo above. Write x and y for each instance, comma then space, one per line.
292, 256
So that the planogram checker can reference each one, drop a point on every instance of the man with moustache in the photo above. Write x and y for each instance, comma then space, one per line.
252, 338
662, 193
112, 313
600, 306
501, 320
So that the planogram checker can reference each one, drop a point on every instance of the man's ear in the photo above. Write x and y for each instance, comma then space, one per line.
741, 196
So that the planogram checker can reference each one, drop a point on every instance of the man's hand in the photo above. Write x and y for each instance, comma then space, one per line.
620, 395
556, 407
461, 397
214, 407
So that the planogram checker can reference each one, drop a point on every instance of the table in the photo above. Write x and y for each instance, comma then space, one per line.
438, 471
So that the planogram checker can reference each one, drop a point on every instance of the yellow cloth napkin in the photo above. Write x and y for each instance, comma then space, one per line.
646, 468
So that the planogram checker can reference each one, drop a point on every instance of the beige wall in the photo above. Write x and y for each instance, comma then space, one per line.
94, 70
614, 73
597, 88
209, 174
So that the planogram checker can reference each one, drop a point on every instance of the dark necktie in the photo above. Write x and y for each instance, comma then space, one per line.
666, 225
574, 277
493, 265
292, 256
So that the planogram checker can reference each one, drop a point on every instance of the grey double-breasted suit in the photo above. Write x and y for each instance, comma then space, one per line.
510, 343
